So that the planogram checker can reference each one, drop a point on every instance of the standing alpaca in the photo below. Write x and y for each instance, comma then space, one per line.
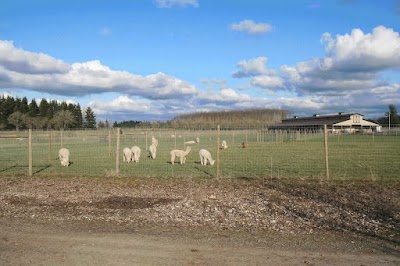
136, 153
205, 156
181, 154
154, 141
153, 150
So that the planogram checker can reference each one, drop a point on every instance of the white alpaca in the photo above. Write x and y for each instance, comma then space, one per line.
127, 155
154, 141
153, 151
181, 154
136, 153
224, 145
205, 156
193, 141
63, 155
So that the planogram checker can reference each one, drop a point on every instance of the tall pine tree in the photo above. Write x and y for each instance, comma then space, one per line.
90, 119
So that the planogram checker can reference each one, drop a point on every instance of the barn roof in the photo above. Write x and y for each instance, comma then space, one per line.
340, 119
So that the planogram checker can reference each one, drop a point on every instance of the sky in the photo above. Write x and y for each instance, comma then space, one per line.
155, 59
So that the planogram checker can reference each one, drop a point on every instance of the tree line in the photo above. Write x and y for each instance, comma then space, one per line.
233, 118
18, 113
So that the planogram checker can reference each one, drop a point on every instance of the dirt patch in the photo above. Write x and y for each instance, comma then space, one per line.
251, 216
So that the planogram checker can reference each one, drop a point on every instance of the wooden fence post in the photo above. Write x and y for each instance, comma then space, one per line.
218, 159
109, 141
326, 151
49, 151
30, 153
117, 153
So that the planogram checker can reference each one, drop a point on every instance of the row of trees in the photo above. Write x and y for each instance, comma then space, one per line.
17, 113
233, 118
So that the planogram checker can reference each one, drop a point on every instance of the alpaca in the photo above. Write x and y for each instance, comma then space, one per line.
205, 156
153, 150
181, 154
224, 145
136, 153
63, 155
154, 141
127, 155
244, 145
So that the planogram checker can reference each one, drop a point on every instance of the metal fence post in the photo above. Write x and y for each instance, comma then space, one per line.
326, 151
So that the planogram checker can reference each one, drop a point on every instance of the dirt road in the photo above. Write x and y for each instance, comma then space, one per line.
119, 222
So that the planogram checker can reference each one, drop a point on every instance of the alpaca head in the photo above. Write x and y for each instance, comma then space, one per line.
212, 162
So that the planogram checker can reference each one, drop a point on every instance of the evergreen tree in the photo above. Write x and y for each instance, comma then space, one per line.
44, 108
33, 109
90, 118
24, 106
77, 113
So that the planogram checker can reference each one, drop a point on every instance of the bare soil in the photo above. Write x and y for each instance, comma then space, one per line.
146, 221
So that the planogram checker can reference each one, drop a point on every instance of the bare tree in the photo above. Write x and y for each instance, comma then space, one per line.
63, 118
17, 119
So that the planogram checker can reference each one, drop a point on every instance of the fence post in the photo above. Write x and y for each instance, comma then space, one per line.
326, 151
117, 153
218, 129
109, 141
49, 155
30, 153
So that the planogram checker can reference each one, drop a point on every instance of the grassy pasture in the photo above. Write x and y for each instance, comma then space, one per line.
268, 155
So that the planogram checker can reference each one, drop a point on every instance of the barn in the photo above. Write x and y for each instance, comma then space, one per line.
339, 123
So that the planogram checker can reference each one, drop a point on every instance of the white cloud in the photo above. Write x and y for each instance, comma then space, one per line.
268, 82
226, 95
252, 67
350, 74
20, 61
176, 3
42, 73
251, 27
363, 52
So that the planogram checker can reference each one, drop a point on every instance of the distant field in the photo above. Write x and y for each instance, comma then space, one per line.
268, 154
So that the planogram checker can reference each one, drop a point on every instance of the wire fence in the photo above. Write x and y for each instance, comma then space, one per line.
249, 152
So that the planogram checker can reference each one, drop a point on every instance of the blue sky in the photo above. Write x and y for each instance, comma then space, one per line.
155, 59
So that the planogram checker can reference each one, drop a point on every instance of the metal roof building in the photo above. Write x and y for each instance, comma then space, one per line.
342, 122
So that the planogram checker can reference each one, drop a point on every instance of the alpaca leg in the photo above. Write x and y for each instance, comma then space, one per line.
172, 159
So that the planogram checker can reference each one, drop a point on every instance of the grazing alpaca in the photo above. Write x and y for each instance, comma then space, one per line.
224, 145
205, 156
63, 155
181, 154
127, 155
136, 153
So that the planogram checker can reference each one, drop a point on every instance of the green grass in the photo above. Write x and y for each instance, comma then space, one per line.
267, 155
